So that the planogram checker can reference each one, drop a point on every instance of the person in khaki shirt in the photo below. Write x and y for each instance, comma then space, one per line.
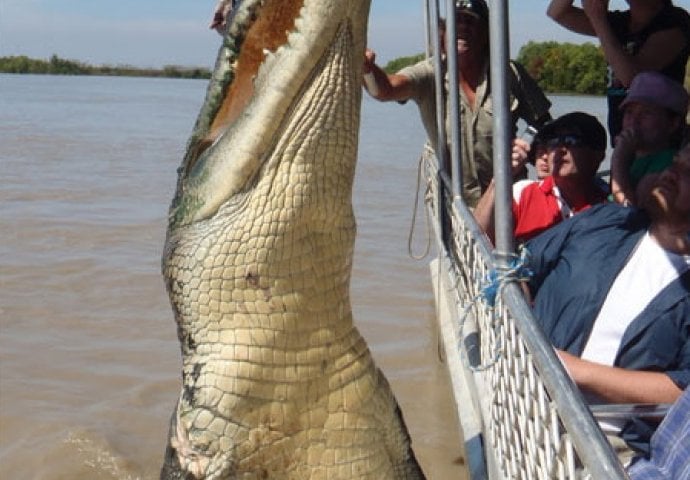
416, 82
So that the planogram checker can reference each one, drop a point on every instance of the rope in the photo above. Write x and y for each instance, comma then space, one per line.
440, 349
491, 286
414, 217
516, 271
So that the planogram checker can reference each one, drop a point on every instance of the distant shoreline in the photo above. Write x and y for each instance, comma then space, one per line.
531, 56
60, 66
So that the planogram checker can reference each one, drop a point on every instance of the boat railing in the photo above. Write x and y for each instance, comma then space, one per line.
520, 414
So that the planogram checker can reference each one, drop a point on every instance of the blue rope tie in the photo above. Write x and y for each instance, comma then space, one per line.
495, 280
493, 283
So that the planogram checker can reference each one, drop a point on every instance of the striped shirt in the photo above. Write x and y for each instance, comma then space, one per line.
670, 446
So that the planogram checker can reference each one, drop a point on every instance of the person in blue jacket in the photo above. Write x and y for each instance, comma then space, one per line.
611, 290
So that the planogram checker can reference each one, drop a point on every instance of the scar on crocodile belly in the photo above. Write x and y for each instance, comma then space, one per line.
253, 280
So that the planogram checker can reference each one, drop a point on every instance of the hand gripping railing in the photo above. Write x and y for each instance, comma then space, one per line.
532, 420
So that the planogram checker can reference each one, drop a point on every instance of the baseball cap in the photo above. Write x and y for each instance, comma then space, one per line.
585, 125
657, 89
478, 8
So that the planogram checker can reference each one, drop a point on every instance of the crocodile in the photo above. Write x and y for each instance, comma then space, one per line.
277, 382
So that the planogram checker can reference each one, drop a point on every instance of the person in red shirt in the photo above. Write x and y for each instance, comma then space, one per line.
576, 146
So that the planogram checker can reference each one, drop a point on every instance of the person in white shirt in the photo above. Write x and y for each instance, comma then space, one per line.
611, 291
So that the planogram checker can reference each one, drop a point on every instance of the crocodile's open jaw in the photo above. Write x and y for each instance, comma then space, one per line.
270, 51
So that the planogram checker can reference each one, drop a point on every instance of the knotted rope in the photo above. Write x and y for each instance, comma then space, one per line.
491, 286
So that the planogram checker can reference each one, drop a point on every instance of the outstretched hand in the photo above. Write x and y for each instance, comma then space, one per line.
369, 60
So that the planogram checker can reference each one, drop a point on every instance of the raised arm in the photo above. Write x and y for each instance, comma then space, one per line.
484, 211
385, 87
569, 16
657, 52
621, 161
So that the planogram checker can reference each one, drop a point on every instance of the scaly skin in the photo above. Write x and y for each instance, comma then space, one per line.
276, 380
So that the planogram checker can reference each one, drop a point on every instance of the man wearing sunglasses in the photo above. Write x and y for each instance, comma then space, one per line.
575, 145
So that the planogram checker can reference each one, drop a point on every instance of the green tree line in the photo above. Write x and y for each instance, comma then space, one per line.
557, 67
60, 66
401, 62
565, 67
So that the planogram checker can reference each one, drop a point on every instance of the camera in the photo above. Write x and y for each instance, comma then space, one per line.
529, 134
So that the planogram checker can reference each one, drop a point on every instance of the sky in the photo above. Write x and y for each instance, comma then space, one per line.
156, 33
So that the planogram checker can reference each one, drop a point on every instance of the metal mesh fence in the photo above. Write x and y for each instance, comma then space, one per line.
534, 423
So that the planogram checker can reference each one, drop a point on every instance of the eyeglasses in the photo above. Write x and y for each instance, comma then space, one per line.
568, 141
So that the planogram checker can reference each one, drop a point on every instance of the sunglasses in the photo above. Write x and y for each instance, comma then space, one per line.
464, 4
568, 141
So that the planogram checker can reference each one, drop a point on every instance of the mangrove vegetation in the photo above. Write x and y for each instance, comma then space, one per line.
60, 66
557, 67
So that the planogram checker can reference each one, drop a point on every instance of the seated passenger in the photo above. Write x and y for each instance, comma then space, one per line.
538, 155
653, 124
575, 144
540, 159
612, 294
